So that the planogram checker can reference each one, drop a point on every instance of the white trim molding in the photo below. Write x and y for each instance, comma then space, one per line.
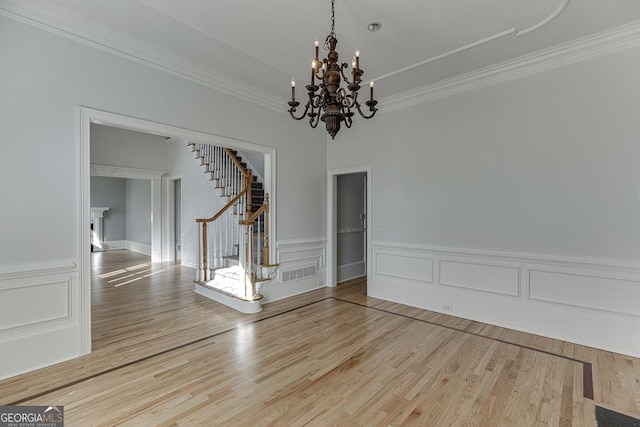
67, 24
589, 301
593, 46
129, 173
87, 116
352, 270
332, 220
293, 255
140, 248
39, 308
297, 249
16, 271
515, 32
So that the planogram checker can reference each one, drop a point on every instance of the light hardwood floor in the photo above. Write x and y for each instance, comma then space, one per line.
166, 356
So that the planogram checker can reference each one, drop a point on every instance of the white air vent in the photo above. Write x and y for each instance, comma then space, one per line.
300, 273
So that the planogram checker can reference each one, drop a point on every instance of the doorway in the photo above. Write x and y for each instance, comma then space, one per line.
87, 117
348, 224
177, 222
351, 236
174, 219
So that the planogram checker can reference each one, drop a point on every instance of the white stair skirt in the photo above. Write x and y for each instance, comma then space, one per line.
246, 307
226, 288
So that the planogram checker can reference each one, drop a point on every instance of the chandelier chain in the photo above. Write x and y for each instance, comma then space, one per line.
332, 34
333, 16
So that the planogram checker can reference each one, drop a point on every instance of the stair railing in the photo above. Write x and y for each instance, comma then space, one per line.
249, 230
204, 266
256, 246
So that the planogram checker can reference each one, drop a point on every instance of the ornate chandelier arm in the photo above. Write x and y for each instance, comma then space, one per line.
372, 107
348, 115
311, 104
354, 74
347, 99
314, 119
292, 110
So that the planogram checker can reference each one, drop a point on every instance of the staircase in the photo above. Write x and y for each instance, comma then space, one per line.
234, 254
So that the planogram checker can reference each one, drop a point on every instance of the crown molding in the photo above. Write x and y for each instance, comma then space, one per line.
599, 44
123, 172
64, 23
75, 27
515, 32
561, 7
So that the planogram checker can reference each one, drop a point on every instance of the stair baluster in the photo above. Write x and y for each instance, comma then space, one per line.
242, 232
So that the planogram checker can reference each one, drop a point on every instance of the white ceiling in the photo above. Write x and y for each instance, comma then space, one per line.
263, 43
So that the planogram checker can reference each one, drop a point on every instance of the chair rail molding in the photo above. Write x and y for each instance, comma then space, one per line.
589, 301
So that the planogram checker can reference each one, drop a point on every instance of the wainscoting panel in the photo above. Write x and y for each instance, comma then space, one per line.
588, 290
42, 301
482, 277
302, 268
404, 265
39, 316
588, 301
296, 250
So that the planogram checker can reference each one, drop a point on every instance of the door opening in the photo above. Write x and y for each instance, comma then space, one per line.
348, 225
177, 221
351, 233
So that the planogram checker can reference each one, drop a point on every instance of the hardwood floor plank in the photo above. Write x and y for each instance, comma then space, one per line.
164, 355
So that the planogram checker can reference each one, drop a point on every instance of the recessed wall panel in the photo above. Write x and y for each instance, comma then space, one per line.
482, 277
405, 266
34, 304
597, 292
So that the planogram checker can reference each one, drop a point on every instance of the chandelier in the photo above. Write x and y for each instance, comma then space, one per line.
329, 101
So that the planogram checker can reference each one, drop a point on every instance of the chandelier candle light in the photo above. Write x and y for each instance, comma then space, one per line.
329, 101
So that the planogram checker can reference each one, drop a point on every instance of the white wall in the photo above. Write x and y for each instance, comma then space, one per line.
138, 195
45, 77
111, 146
199, 199
515, 204
127, 223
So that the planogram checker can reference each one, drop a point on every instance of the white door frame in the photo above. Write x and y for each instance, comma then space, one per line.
170, 241
87, 116
332, 222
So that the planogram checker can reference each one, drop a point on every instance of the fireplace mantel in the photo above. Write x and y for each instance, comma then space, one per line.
97, 218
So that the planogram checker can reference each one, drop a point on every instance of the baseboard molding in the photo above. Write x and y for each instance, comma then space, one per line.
139, 248
274, 291
247, 307
588, 301
113, 245
39, 315
351, 271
